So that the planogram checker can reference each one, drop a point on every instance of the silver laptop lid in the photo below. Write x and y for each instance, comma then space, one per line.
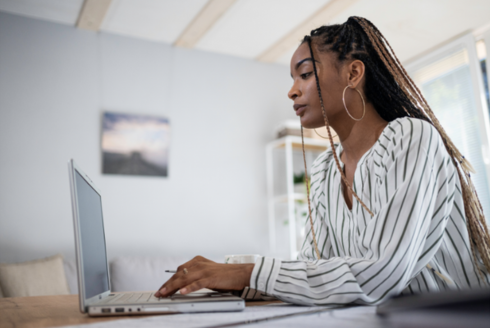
90, 246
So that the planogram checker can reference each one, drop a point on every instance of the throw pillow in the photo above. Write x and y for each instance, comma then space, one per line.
34, 278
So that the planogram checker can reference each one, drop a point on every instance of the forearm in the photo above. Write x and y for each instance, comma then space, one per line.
324, 282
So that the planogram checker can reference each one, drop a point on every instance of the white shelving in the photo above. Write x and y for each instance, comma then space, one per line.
289, 145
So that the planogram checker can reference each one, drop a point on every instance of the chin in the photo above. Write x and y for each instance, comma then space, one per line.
308, 123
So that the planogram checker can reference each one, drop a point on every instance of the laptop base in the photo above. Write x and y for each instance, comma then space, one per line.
204, 300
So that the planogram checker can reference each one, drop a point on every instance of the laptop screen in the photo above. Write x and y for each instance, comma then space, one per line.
92, 238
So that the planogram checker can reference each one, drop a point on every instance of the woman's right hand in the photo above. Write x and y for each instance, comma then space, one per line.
203, 273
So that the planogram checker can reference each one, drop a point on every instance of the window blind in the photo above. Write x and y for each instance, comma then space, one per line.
448, 88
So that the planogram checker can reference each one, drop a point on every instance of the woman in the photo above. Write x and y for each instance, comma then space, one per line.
392, 209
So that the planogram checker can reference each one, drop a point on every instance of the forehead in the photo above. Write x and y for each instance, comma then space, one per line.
301, 53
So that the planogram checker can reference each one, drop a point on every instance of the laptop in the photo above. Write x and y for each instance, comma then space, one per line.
448, 309
94, 283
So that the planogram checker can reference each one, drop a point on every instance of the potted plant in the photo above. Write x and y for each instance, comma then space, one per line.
299, 183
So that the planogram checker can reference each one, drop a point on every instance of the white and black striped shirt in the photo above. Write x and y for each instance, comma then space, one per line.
407, 179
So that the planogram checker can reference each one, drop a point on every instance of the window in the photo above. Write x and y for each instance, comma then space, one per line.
451, 80
481, 52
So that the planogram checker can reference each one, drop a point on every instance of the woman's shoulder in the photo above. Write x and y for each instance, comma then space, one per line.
410, 140
409, 128
406, 132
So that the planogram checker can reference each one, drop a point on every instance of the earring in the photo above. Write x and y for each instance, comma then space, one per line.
363, 105
318, 134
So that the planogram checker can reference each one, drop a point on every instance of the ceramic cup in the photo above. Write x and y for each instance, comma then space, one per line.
246, 258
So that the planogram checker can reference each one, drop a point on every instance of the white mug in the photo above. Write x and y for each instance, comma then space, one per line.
236, 259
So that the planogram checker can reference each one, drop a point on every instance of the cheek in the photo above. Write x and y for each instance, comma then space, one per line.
313, 93
331, 87
332, 96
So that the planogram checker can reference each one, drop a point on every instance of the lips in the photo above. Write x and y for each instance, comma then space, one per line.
299, 109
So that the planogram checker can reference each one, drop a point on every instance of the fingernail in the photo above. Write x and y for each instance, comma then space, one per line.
183, 290
163, 290
157, 294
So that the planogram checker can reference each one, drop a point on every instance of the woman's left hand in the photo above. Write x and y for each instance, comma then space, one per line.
203, 273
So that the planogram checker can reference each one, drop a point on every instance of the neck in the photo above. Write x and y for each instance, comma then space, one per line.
357, 137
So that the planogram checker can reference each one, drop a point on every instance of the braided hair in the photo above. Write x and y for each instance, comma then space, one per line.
393, 94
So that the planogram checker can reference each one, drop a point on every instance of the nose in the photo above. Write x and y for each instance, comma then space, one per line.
294, 92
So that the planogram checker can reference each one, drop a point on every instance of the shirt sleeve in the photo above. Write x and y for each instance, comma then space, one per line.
398, 241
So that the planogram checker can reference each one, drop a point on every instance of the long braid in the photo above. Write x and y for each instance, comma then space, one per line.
394, 94
401, 76
477, 227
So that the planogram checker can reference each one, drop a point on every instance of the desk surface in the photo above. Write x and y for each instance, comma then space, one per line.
52, 311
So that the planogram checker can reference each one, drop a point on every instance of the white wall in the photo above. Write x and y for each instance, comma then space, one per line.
55, 81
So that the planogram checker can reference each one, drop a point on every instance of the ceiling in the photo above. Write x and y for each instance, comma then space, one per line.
251, 28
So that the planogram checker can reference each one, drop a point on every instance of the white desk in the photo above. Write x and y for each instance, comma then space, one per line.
57, 311
363, 317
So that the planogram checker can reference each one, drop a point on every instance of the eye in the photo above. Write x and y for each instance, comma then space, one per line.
304, 76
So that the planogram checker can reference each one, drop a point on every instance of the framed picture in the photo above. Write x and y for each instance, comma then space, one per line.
135, 144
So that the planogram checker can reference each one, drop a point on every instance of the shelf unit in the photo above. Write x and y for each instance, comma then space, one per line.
287, 144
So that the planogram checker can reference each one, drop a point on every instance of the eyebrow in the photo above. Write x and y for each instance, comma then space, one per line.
302, 61
298, 64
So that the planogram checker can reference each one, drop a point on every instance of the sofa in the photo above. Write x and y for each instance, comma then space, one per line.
131, 273
136, 273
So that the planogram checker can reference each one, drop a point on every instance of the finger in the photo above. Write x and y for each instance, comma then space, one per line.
169, 288
187, 264
196, 285
162, 291
180, 280
165, 290
157, 293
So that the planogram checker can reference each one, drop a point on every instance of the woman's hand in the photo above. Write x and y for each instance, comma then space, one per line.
203, 273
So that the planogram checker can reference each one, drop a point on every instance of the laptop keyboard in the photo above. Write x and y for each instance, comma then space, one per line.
126, 298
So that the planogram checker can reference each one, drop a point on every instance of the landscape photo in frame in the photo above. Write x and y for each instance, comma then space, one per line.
135, 144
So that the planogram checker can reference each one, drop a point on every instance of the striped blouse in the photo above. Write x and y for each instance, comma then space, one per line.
407, 179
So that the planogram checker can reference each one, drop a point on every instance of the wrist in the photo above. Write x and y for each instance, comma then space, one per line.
248, 269
243, 273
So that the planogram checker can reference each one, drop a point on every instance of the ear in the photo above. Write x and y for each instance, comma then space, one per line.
356, 71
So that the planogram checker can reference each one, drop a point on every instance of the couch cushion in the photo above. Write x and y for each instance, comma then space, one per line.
71, 275
129, 274
34, 278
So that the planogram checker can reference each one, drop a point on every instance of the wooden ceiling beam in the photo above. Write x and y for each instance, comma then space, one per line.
322, 17
92, 14
206, 18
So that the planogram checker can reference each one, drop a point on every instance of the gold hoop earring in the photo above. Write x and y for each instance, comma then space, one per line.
318, 134
363, 105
